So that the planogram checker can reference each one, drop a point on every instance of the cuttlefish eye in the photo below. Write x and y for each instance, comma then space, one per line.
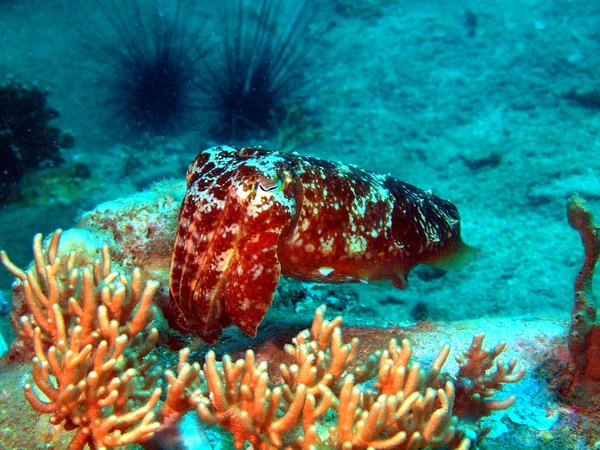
269, 185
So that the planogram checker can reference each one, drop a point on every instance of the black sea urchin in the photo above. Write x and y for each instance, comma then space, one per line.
260, 68
150, 53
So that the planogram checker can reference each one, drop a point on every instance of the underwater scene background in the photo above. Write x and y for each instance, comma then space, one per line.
493, 106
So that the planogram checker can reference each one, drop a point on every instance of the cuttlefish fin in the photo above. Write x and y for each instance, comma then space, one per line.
457, 259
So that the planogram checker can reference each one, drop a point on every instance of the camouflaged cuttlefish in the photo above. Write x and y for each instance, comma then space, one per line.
250, 215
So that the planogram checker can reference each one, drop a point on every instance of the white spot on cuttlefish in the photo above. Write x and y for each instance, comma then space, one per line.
325, 270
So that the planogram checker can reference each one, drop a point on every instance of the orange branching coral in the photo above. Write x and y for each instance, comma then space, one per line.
476, 387
90, 330
183, 390
325, 401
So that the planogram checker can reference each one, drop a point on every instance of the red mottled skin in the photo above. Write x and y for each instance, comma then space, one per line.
251, 214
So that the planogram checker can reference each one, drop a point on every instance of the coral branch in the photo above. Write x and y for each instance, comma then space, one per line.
180, 393
401, 410
476, 385
91, 369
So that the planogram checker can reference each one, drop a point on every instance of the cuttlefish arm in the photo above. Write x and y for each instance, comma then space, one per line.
225, 267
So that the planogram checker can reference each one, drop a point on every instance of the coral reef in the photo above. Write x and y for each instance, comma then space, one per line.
140, 230
91, 330
581, 383
78, 242
388, 401
540, 346
27, 141
476, 386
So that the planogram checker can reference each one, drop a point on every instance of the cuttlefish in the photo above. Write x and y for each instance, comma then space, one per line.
250, 215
